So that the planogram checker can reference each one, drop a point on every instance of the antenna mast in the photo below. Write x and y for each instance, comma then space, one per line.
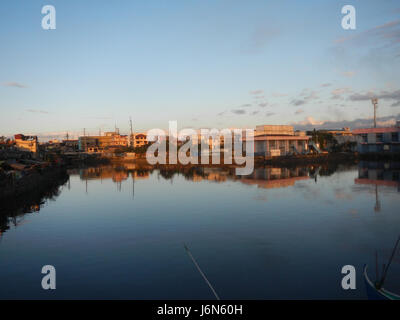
130, 121
375, 103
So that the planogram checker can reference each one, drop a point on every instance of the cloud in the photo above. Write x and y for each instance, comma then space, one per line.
388, 33
299, 111
259, 39
395, 104
297, 102
256, 92
348, 74
384, 95
269, 114
361, 96
386, 123
310, 123
246, 105
326, 85
255, 112
311, 96
263, 104
238, 111
338, 92
37, 111
305, 96
14, 84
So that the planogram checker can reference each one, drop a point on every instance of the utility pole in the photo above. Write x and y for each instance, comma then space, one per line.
130, 121
84, 144
375, 103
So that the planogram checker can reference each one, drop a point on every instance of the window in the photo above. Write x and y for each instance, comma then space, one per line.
364, 138
379, 137
395, 136
272, 144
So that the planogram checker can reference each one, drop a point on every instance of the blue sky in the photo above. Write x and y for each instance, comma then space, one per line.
205, 63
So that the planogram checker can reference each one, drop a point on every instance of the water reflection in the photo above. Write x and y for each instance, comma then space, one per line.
373, 177
263, 177
13, 210
129, 223
379, 174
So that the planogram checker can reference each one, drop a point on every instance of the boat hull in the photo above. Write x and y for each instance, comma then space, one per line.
377, 294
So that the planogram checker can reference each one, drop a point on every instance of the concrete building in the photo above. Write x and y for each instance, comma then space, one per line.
27, 143
109, 139
338, 132
139, 140
71, 144
279, 140
378, 139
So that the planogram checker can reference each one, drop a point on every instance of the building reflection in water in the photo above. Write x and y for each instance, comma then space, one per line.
378, 174
262, 177
268, 178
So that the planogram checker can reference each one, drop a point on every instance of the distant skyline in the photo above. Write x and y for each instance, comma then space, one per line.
208, 63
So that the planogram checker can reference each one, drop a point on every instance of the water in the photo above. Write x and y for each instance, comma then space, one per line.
279, 234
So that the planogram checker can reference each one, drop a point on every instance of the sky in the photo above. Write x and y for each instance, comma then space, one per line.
204, 63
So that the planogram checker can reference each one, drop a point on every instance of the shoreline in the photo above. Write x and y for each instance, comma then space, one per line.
30, 181
282, 161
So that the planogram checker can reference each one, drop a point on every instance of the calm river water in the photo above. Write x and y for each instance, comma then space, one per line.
119, 232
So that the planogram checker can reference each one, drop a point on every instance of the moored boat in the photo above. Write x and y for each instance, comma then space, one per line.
375, 293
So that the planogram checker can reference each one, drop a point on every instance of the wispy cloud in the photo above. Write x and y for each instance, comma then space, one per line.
348, 74
260, 38
238, 111
305, 96
299, 111
310, 123
339, 92
37, 111
384, 95
257, 92
297, 102
388, 33
14, 84
326, 85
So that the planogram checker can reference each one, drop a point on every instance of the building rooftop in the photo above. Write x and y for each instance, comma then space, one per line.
376, 130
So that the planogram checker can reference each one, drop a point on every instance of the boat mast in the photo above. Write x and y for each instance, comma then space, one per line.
385, 269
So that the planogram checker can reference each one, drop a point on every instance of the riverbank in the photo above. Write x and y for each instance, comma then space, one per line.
324, 158
259, 161
20, 178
